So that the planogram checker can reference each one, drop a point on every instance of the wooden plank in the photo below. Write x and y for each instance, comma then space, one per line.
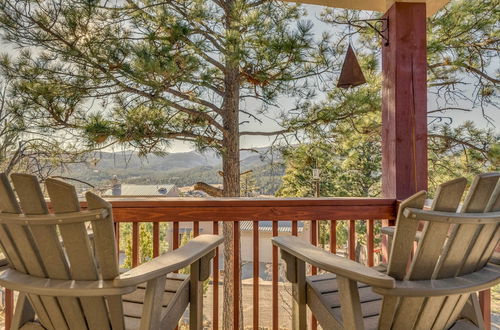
330, 262
352, 317
152, 310
299, 312
78, 250
456, 311
107, 254
432, 239
429, 312
229, 202
388, 312
403, 237
493, 206
408, 311
196, 297
165, 211
319, 308
325, 300
445, 312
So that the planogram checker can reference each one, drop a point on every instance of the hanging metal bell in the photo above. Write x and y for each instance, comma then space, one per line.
351, 74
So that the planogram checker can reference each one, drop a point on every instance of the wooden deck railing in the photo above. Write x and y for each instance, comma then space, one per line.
137, 210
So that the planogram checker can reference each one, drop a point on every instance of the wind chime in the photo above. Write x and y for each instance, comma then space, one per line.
351, 74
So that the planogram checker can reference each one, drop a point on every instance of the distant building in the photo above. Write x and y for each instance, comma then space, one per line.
143, 190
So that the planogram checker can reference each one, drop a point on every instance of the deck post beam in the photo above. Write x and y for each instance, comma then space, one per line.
404, 101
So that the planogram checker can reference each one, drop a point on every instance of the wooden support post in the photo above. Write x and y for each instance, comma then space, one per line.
196, 297
485, 303
404, 101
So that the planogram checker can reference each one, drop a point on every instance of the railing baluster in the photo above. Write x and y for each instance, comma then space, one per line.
295, 228
352, 240
314, 271
175, 234
236, 275
314, 240
175, 237
117, 238
196, 228
275, 280
156, 239
485, 303
135, 243
215, 301
370, 241
255, 229
9, 308
333, 236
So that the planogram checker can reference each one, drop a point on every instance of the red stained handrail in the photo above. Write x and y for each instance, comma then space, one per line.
196, 210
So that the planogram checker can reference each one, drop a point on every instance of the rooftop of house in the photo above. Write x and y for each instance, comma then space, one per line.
143, 190
267, 226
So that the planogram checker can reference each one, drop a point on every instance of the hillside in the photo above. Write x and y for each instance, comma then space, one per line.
181, 169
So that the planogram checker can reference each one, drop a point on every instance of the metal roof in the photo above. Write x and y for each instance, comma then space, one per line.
267, 226
142, 190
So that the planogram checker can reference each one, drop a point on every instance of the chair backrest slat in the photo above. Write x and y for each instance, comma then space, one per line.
61, 250
49, 246
493, 206
463, 236
401, 244
78, 249
444, 250
433, 236
106, 252
23, 243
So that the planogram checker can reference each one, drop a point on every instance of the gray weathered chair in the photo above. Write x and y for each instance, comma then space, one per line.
66, 282
427, 288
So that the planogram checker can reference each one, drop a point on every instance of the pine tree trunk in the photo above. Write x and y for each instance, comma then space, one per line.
231, 168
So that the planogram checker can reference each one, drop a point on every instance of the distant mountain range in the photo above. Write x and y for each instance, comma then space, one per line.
182, 169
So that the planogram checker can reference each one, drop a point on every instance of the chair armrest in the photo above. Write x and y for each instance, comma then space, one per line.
331, 262
451, 217
14, 280
483, 279
171, 261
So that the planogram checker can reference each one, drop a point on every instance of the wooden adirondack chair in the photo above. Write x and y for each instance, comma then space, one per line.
65, 281
427, 288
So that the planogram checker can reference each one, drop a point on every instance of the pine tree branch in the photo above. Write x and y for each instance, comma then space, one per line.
469, 68
457, 141
195, 99
284, 131
449, 109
